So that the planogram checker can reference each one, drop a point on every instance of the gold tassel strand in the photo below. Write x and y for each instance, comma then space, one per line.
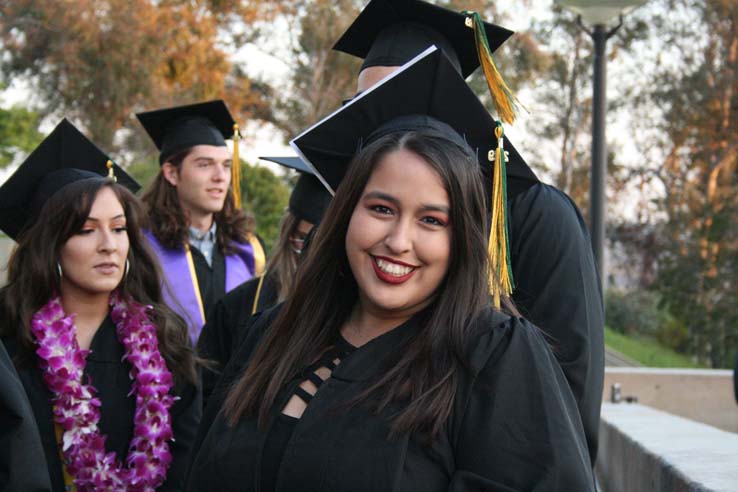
236, 168
503, 98
501, 282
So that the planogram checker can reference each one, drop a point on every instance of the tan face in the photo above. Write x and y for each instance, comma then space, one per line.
93, 260
298, 236
202, 180
371, 75
399, 238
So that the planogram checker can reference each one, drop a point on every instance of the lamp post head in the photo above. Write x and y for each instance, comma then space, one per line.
596, 12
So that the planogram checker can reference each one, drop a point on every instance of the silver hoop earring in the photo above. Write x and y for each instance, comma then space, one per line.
128, 265
58, 269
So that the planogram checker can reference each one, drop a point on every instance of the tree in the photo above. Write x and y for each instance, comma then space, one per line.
18, 133
265, 196
100, 62
698, 173
321, 78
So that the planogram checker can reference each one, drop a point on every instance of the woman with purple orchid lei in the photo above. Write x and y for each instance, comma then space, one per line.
106, 365
77, 411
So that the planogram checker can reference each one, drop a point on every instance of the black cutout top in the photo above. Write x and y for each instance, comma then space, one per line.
284, 425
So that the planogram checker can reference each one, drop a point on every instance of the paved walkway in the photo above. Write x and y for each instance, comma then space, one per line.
613, 358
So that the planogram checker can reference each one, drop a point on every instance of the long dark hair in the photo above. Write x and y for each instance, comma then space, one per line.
424, 373
282, 265
166, 219
33, 277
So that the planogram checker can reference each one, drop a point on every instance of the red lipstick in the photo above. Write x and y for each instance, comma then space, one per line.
386, 277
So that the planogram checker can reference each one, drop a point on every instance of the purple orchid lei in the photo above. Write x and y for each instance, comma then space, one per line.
77, 410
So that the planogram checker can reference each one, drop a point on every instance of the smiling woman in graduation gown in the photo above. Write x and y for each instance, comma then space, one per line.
557, 284
394, 370
80, 248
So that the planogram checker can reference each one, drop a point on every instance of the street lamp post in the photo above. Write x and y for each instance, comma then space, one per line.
598, 13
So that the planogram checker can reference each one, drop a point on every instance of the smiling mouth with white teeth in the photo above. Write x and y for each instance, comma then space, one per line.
393, 268
391, 272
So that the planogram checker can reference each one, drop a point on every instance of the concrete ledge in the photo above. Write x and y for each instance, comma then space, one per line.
647, 450
704, 395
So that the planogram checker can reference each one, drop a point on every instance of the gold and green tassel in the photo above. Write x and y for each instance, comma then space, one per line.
502, 96
501, 276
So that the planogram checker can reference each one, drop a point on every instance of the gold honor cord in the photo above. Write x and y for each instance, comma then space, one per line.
68, 479
259, 255
236, 168
502, 96
195, 283
501, 279
258, 294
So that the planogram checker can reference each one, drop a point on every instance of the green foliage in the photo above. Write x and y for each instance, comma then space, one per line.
18, 133
634, 312
144, 171
646, 351
265, 196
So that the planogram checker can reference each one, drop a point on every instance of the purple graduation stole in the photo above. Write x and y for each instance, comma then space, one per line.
179, 282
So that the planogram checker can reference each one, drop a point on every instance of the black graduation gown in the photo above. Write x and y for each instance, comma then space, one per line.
111, 378
557, 288
514, 426
22, 462
211, 279
226, 325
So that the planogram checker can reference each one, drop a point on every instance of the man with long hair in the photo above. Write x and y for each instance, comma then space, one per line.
204, 241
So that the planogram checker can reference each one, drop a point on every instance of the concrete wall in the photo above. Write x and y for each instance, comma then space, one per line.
702, 395
646, 450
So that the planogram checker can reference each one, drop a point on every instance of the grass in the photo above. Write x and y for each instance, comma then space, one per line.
646, 351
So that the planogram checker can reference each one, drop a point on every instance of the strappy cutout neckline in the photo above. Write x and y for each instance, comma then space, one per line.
313, 377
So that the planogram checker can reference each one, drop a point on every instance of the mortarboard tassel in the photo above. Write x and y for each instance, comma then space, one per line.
502, 96
501, 277
236, 168
111, 173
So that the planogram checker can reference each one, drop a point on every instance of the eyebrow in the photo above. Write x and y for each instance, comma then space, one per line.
425, 207
93, 219
210, 159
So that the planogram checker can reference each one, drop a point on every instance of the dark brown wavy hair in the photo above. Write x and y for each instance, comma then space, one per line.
423, 374
282, 265
33, 277
166, 219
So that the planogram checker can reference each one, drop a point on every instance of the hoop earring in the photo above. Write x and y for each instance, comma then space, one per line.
128, 265
58, 269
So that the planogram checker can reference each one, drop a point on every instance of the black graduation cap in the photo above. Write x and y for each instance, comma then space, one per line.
392, 32
428, 86
176, 129
309, 199
64, 157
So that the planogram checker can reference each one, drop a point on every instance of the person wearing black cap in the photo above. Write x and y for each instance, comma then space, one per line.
204, 241
556, 282
100, 356
392, 370
229, 320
